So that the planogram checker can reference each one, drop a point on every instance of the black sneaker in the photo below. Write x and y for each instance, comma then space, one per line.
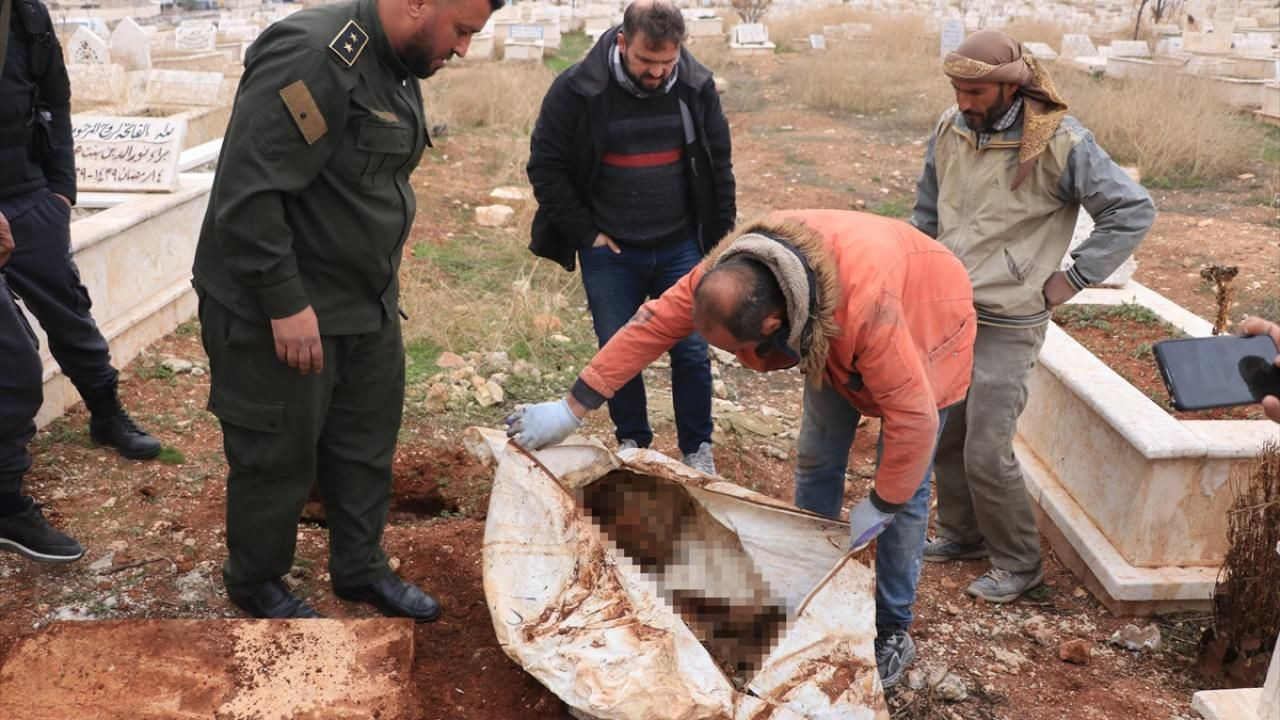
29, 534
119, 431
894, 652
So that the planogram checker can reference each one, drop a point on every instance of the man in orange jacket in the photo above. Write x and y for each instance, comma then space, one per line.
880, 319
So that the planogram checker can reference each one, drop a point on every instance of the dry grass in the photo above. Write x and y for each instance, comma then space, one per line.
785, 27
499, 96
894, 72
1177, 129
484, 291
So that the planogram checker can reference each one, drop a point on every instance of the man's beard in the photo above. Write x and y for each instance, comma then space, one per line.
642, 81
420, 55
989, 120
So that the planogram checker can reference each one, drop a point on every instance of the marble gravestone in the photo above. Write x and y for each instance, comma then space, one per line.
127, 153
86, 48
130, 46
952, 35
195, 36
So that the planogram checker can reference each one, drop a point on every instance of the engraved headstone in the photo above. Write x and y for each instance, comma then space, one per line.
1169, 45
130, 46
1041, 51
1074, 46
750, 34
952, 35
195, 36
127, 153
1253, 44
525, 32
84, 47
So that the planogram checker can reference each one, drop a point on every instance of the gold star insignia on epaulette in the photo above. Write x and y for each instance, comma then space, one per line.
349, 42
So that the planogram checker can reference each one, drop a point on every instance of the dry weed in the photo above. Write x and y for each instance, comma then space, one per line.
1246, 600
895, 72
1177, 129
498, 96
785, 27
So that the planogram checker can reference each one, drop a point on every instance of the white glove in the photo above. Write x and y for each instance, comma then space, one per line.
865, 523
537, 426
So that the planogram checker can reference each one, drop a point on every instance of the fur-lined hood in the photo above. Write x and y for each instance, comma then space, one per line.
813, 249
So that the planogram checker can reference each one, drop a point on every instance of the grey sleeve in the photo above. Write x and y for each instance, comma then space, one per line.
1121, 209
924, 216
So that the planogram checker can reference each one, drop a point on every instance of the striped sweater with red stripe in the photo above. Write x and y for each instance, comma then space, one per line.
641, 194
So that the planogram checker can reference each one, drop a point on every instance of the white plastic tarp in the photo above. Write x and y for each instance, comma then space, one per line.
638, 589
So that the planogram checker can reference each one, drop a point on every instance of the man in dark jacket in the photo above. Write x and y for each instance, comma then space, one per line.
23, 528
630, 163
37, 190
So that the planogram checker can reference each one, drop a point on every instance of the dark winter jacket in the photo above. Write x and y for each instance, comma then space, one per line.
35, 107
568, 145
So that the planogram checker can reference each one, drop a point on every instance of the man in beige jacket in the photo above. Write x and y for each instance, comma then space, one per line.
1006, 172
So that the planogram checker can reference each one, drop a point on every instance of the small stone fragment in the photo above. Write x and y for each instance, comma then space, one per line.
1077, 652
1131, 637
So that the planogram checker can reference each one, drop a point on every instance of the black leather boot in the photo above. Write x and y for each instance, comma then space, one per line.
394, 597
272, 600
110, 425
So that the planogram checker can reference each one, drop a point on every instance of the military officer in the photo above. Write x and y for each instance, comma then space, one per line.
296, 274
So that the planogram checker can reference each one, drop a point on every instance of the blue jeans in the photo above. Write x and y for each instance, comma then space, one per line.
827, 427
617, 285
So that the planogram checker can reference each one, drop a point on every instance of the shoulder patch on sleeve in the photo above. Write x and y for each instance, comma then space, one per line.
302, 108
349, 42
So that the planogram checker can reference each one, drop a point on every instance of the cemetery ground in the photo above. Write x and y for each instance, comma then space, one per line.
481, 308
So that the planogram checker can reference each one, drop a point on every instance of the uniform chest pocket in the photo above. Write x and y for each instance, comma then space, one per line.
380, 150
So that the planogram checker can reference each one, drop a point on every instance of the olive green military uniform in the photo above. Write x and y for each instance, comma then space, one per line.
311, 205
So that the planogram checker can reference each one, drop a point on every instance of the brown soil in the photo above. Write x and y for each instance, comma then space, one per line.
1124, 345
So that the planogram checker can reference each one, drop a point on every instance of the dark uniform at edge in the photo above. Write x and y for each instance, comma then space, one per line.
37, 189
310, 206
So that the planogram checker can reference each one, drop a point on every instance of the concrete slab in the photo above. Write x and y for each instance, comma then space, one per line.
1227, 704
1134, 500
286, 670
135, 259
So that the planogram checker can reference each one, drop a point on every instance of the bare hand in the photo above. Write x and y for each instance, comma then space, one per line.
6, 240
1258, 326
1057, 290
298, 341
65, 200
603, 240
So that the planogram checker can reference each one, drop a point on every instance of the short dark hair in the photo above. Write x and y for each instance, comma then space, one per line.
758, 295
496, 5
660, 21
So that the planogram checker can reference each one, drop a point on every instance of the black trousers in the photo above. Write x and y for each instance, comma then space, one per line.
42, 273
21, 391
